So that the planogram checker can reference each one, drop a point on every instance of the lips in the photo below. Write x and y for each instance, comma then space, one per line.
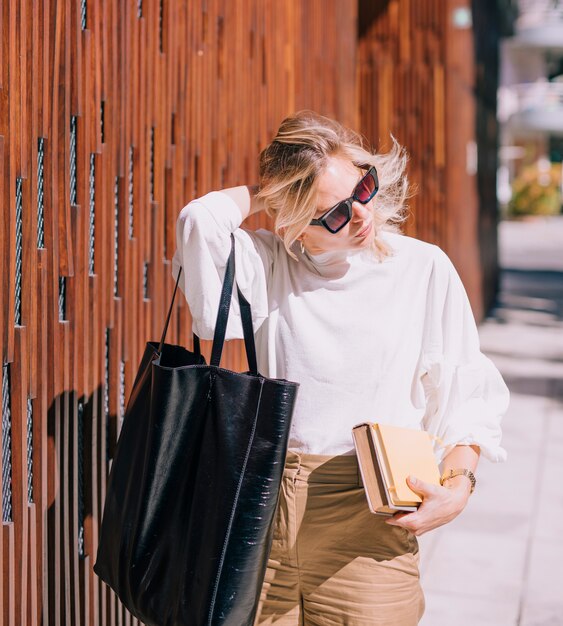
364, 231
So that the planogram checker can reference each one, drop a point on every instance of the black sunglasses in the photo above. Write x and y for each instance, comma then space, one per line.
340, 214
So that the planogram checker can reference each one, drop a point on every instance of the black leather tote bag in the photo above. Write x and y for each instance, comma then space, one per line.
191, 495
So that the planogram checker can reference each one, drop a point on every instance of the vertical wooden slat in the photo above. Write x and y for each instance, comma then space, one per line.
19, 386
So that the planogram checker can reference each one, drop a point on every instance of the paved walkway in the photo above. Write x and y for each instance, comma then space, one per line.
500, 562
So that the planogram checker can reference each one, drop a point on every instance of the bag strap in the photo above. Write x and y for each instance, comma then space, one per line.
197, 347
223, 317
248, 330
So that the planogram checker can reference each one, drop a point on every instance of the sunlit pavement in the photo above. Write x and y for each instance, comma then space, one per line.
500, 562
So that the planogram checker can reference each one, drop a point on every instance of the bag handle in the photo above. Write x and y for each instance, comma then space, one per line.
197, 346
223, 317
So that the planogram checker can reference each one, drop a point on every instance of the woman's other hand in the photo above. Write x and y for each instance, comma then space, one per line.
440, 505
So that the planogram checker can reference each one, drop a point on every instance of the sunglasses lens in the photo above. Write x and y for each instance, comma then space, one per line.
366, 188
338, 217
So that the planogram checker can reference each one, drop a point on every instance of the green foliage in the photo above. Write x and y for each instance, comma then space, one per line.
537, 191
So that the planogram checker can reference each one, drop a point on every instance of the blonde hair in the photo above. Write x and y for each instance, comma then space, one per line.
290, 167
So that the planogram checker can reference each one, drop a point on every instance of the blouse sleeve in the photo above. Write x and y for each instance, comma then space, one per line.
203, 245
466, 396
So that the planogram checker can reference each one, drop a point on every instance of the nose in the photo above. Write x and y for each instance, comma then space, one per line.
360, 212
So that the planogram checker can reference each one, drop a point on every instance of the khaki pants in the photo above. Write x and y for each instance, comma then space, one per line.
332, 560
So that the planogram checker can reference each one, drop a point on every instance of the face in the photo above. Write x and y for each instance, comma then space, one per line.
337, 183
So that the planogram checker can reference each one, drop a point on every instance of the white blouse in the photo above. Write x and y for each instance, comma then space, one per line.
392, 341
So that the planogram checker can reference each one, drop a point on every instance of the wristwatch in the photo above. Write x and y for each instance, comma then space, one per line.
459, 472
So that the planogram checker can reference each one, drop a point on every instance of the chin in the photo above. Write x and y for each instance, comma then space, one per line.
366, 242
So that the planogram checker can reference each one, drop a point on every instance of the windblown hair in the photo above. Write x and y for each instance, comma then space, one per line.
290, 167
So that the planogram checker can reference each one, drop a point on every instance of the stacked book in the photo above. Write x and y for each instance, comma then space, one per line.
386, 456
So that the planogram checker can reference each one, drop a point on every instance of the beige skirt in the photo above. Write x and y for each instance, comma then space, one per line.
333, 561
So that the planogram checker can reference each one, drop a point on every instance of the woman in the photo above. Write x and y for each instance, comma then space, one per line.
374, 326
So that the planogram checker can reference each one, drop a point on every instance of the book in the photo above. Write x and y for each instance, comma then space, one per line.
386, 456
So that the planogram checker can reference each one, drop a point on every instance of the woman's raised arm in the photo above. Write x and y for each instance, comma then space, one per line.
245, 198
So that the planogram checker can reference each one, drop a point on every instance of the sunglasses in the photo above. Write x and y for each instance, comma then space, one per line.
340, 214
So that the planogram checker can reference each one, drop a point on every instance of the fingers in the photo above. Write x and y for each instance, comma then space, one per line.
429, 514
422, 488
396, 519
409, 522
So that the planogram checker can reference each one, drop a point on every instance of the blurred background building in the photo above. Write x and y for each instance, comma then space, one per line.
530, 103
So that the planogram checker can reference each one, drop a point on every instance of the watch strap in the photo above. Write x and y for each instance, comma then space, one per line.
452, 473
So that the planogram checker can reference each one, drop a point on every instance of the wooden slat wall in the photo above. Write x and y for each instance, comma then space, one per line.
416, 79
170, 100
401, 91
